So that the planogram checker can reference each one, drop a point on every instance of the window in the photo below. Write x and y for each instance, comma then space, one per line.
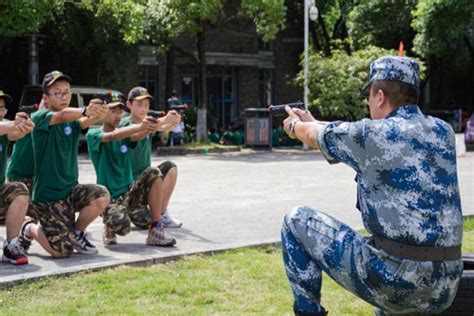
148, 77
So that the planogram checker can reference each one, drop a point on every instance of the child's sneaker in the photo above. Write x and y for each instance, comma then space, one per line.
158, 236
14, 253
24, 239
169, 222
109, 237
82, 245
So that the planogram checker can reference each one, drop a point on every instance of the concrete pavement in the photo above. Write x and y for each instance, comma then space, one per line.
226, 201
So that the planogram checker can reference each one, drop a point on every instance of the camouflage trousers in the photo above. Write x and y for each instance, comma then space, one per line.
57, 218
8, 192
132, 206
27, 181
313, 242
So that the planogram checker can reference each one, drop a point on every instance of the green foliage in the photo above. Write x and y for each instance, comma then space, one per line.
20, 17
79, 36
130, 16
440, 24
268, 16
335, 82
381, 23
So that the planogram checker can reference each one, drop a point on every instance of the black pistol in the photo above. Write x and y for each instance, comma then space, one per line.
279, 110
29, 109
179, 107
156, 114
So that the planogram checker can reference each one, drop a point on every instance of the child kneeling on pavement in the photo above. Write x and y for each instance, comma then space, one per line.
109, 148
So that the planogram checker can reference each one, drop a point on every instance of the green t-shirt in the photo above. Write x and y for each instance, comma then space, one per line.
215, 137
22, 163
55, 154
111, 161
140, 155
3, 157
238, 138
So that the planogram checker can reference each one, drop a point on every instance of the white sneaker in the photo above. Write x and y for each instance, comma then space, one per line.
168, 222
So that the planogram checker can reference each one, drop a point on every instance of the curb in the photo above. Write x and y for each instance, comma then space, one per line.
182, 151
145, 262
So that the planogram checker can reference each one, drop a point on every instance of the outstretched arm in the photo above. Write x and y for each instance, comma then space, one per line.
124, 132
22, 126
305, 128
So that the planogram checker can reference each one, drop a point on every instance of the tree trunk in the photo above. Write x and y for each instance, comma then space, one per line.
201, 126
314, 37
169, 74
327, 40
471, 51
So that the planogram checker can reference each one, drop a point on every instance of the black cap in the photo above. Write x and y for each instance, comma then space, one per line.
139, 93
52, 77
5, 96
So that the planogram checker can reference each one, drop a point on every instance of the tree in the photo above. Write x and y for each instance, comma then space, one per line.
335, 82
161, 21
21, 17
443, 27
381, 23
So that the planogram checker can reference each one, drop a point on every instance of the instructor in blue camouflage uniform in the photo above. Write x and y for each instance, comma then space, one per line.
407, 193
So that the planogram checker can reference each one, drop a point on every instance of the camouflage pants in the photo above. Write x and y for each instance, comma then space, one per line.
8, 192
313, 242
29, 184
27, 181
57, 218
131, 207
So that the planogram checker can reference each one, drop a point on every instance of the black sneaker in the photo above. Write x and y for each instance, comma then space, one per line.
82, 245
14, 253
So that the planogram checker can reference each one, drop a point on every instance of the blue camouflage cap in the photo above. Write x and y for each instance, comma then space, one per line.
394, 68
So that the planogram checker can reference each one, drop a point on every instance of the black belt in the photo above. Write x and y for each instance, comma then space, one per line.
417, 253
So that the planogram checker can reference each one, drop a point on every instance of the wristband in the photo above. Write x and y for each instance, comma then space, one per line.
292, 126
84, 111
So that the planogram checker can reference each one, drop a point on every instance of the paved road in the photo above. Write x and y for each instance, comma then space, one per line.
228, 201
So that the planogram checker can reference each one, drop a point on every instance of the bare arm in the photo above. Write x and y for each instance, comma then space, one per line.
93, 111
22, 126
6, 127
123, 132
303, 126
307, 132
152, 126
97, 111
66, 115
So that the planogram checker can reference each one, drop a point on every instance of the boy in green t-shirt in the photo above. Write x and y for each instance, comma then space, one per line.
14, 196
57, 195
21, 167
109, 148
138, 104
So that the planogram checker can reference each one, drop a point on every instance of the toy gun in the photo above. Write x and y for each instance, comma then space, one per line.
28, 109
101, 96
156, 114
179, 107
278, 110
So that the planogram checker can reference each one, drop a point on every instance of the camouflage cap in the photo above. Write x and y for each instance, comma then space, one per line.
52, 77
5, 96
114, 99
394, 68
139, 93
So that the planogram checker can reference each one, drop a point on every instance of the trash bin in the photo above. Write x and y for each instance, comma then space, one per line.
258, 127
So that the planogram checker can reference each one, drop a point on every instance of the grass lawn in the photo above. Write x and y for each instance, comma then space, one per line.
244, 281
